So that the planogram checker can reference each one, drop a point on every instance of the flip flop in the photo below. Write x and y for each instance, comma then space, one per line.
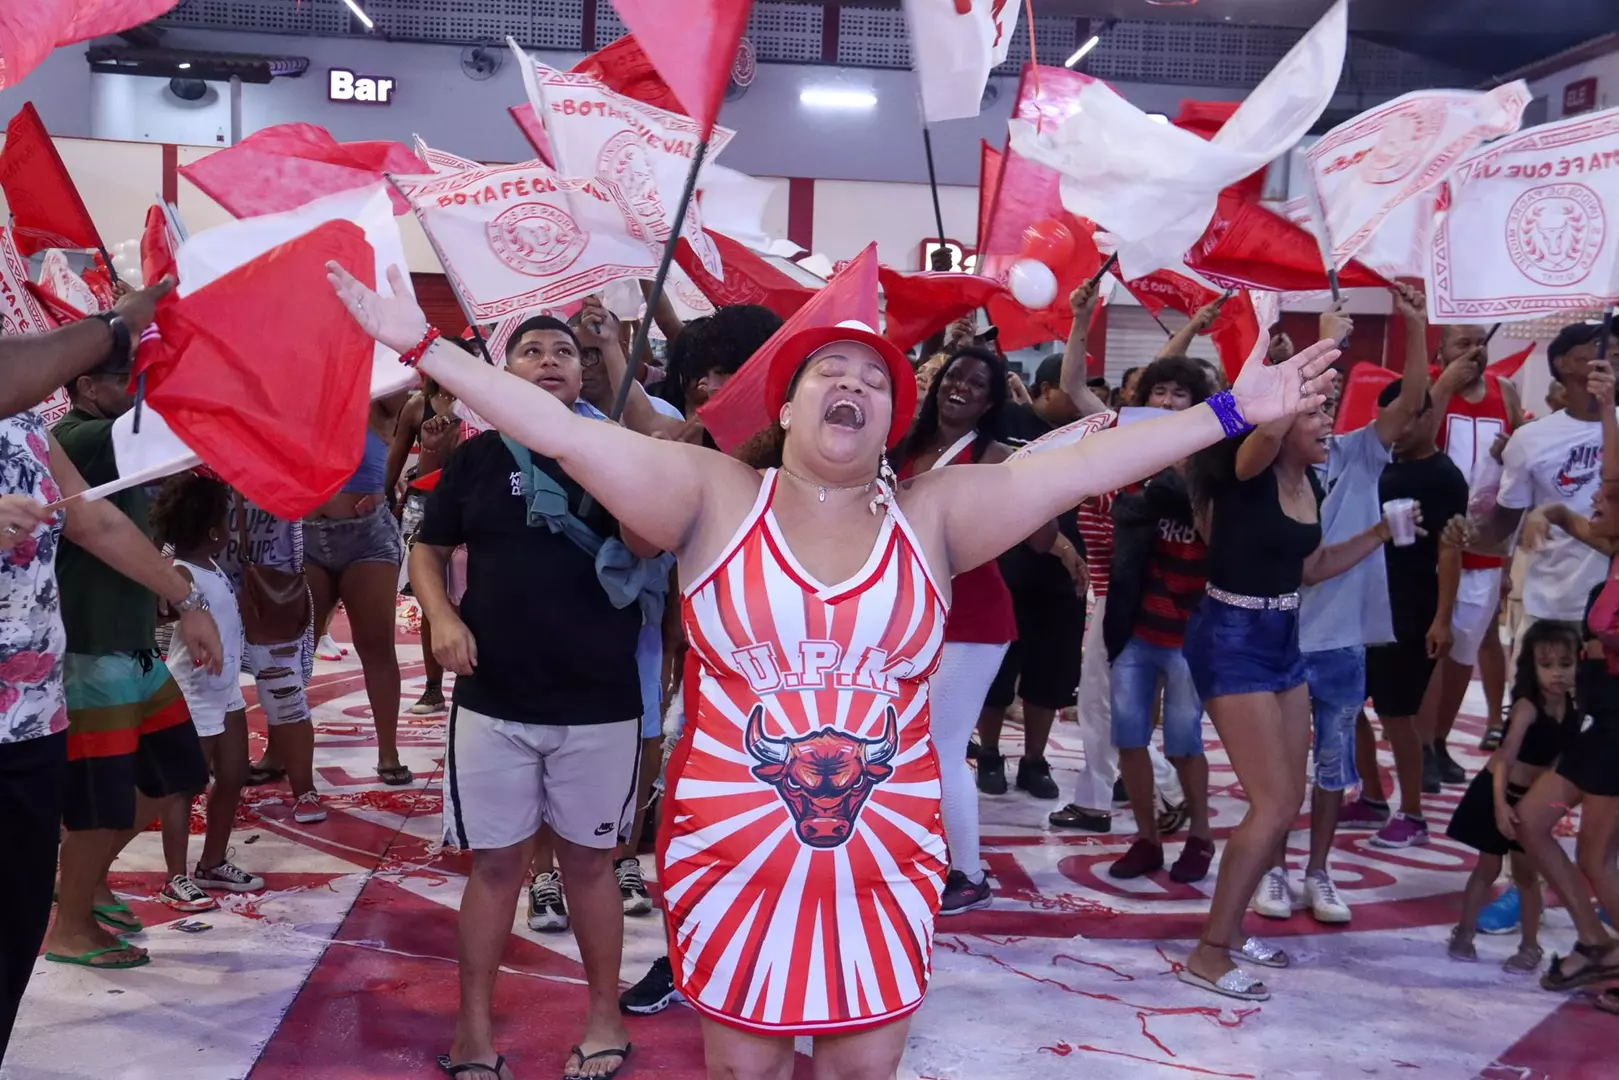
1263, 953
396, 775
117, 917
1235, 983
451, 1069
623, 1055
88, 959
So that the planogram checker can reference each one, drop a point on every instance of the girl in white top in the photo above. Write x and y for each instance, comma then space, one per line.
191, 513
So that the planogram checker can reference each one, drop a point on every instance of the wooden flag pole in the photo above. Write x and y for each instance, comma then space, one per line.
466, 313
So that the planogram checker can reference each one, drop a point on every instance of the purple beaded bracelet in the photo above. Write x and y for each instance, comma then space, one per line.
1225, 407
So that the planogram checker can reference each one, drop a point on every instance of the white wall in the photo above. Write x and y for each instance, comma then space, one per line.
1604, 68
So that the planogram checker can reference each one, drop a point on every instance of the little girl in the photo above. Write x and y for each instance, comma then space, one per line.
191, 513
1542, 719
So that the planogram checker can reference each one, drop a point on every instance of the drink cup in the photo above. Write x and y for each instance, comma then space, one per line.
1401, 514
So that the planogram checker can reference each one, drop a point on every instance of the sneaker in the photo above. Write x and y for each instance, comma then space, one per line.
962, 894
991, 773
1172, 818
972, 749
182, 894
1121, 797
1274, 897
430, 703
1321, 897
1501, 915
327, 649
1449, 772
1034, 776
308, 809
631, 886
1431, 782
546, 911
1077, 817
1193, 864
1402, 831
1143, 858
1363, 814
654, 993
228, 877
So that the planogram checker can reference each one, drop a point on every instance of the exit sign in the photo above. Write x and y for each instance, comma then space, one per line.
1580, 96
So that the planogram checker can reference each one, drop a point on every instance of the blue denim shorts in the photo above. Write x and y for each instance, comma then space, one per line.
1134, 680
1337, 680
1235, 650
335, 544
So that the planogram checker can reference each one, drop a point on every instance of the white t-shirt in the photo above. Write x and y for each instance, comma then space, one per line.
1556, 460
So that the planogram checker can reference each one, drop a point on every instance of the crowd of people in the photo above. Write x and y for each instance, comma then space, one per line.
797, 660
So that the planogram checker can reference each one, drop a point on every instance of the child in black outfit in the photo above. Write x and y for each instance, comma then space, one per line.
1542, 719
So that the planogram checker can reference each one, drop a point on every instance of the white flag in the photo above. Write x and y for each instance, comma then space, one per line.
442, 161
1156, 187
1364, 169
953, 49
1528, 226
57, 278
1005, 13
21, 314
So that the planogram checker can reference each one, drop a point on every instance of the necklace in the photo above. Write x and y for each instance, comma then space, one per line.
822, 489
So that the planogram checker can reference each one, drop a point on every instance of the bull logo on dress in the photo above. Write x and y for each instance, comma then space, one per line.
536, 239
825, 777
1555, 232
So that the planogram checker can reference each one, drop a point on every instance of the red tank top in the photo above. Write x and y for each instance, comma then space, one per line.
980, 603
1469, 430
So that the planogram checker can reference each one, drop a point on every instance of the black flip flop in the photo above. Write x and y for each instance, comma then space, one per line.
623, 1055
396, 775
451, 1069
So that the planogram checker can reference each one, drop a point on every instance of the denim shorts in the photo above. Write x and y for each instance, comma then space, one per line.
1234, 650
1337, 681
335, 544
1134, 681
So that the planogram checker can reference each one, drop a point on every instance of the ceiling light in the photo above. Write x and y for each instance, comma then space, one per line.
185, 66
828, 97
359, 14
1081, 52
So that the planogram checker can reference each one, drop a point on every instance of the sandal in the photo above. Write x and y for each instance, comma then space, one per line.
1608, 1001
1492, 739
1462, 947
1594, 970
117, 917
450, 1068
1526, 961
1263, 953
1235, 983
259, 775
584, 1059
88, 959
395, 775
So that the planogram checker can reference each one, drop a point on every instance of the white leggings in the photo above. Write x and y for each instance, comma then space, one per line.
955, 698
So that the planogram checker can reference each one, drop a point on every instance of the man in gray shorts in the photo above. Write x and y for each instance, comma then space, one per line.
545, 728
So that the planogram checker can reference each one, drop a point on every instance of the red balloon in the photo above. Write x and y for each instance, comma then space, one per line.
1050, 241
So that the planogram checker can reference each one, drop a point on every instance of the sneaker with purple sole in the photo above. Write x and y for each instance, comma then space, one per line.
1360, 814
1402, 832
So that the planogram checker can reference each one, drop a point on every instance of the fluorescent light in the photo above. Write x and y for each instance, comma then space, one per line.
1081, 52
828, 97
359, 14
185, 66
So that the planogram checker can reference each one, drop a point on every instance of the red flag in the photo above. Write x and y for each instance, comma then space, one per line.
30, 29
1235, 333
989, 182
748, 278
624, 68
692, 44
285, 166
738, 411
1508, 366
528, 122
57, 310
917, 306
1249, 247
157, 248
1205, 119
1357, 406
1027, 193
46, 210
252, 416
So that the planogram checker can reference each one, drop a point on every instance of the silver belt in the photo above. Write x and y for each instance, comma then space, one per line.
1285, 602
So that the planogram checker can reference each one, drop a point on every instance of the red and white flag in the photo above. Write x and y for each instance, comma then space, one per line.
1026, 191
953, 49
528, 122
158, 245
519, 237
1155, 186
30, 29
286, 166
624, 67
58, 279
1529, 225
748, 279
1364, 169
441, 161
693, 45
738, 412
20, 313
637, 153
46, 210
1249, 246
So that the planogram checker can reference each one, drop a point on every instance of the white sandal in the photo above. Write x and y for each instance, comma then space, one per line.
1263, 953
1235, 983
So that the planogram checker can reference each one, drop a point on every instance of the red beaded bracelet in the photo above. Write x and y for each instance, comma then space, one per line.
414, 356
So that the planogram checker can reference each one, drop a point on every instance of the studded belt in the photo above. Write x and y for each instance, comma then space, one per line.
1285, 602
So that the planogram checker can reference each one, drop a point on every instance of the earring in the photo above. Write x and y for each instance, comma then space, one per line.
785, 424
885, 484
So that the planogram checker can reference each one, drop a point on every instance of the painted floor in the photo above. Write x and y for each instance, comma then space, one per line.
344, 968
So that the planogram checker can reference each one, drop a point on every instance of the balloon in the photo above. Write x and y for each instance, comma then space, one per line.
1050, 241
1032, 283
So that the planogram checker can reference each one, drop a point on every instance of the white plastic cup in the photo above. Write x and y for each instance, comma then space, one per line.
1402, 519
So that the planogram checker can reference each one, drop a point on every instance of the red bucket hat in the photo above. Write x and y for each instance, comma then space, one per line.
798, 348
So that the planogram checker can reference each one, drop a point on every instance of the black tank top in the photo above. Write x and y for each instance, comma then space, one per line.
1543, 743
1255, 549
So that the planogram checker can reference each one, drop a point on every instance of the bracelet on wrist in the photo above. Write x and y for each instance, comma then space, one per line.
1231, 418
417, 351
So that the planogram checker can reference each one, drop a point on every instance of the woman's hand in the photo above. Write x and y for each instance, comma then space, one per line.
396, 321
1266, 392
438, 435
19, 517
1506, 820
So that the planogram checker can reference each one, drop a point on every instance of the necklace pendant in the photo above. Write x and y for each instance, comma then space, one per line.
822, 494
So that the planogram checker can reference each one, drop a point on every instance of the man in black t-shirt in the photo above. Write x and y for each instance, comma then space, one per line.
1422, 580
545, 728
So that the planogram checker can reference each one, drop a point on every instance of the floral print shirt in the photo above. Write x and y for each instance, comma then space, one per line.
32, 641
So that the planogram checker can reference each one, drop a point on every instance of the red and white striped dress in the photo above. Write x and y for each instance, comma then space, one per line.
801, 854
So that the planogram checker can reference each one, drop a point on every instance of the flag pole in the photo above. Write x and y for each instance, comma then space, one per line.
140, 380
1167, 331
1332, 283
933, 185
466, 313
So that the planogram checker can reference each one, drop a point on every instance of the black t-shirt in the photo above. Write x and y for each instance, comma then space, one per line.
1440, 489
552, 649
1022, 567
1255, 548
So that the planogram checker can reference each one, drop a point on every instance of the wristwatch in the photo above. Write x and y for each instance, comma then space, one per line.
194, 601
120, 333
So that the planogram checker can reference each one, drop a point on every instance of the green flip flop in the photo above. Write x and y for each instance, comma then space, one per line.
117, 917
88, 959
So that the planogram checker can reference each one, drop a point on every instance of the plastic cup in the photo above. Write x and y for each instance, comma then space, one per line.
1401, 514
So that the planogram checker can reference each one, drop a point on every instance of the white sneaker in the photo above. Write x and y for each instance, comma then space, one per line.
1321, 896
308, 809
1274, 897
546, 911
327, 649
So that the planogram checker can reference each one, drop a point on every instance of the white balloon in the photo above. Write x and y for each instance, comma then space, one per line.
1032, 283
128, 268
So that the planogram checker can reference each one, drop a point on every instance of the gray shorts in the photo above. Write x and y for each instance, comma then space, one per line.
335, 544
502, 780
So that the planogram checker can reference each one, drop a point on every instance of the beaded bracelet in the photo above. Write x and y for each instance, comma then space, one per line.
1225, 407
414, 356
